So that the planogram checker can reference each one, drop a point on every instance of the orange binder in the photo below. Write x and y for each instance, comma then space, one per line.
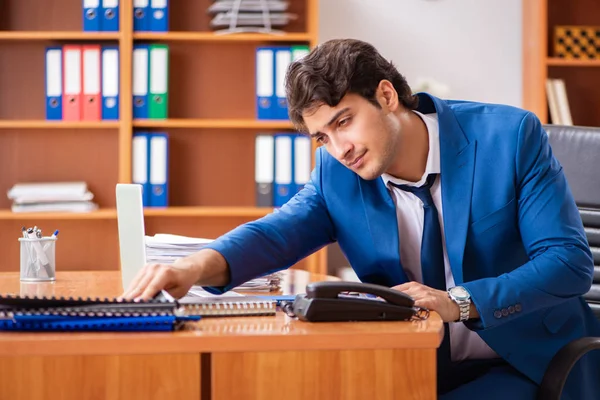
72, 71
91, 104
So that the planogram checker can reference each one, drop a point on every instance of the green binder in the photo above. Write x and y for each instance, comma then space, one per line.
159, 81
299, 51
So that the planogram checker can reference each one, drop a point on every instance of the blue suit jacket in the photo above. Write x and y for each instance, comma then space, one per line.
513, 234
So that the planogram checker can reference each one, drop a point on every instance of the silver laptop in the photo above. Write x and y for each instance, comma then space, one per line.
130, 219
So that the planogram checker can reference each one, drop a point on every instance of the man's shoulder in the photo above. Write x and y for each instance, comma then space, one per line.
480, 120
466, 109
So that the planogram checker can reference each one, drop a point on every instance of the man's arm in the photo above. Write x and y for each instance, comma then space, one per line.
561, 264
278, 240
271, 243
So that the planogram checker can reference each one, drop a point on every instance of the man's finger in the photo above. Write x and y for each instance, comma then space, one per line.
407, 285
146, 279
141, 281
148, 268
412, 291
130, 290
427, 302
135, 282
158, 282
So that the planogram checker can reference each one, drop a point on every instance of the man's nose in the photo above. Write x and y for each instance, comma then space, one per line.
341, 148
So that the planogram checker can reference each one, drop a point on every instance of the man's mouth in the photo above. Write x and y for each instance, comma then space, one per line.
357, 161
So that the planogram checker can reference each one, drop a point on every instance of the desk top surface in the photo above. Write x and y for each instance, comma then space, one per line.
267, 333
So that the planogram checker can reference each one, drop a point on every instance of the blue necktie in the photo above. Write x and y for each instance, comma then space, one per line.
432, 253
432, 257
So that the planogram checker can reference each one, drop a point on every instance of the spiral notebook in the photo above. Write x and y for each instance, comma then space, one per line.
95, 314
89, 314
226, 306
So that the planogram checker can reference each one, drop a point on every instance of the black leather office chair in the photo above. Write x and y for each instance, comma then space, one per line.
578, 150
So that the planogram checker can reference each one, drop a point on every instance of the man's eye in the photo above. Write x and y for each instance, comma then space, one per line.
344, 122
321, 139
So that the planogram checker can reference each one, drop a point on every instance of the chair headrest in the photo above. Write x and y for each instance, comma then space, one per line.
577, 149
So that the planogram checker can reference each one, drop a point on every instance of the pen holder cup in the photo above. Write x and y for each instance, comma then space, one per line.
38, 259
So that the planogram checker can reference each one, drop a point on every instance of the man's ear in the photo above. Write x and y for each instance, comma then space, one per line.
387, 96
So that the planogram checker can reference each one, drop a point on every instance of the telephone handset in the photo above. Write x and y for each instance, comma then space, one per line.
334, 301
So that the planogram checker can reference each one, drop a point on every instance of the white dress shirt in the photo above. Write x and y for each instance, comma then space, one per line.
464, 343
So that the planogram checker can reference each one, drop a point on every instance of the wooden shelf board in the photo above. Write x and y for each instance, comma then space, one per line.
106, 213
43, 124
111, 213
58, 35
215, 37
566, 62
207, 212
212, 123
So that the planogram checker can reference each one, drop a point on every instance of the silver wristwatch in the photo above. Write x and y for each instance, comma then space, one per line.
461, 296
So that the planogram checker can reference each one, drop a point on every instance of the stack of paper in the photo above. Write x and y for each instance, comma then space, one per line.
249, 13
264, 284
51, 197
165, 248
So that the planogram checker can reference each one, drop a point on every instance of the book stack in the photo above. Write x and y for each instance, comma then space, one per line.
249, 15
558, 102
167, 248
51, 197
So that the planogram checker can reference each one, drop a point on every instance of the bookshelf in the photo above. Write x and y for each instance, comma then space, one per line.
581, 76
211, 166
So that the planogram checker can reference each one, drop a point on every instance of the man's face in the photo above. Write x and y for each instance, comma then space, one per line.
361, 136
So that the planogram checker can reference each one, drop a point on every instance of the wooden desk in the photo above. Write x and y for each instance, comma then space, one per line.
220, 358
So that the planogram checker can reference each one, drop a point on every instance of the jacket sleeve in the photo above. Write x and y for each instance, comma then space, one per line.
561, 265
278, 240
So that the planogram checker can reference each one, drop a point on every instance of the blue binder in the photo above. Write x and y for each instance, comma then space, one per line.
141, 15
265, 83
140, 80
110, 15
159, 15
90, 324
140, 164
283, 59
53, 81
110, 82
283, 184
54, 314
91, 15
159, 169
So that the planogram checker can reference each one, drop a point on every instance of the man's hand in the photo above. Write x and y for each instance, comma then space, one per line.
177, 279
205, 267
432, 299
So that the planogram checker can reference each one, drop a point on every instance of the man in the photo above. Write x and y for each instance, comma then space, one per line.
460, 205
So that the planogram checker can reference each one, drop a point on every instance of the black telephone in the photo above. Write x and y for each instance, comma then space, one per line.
334, 301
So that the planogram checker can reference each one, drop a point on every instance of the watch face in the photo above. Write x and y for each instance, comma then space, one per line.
460, 293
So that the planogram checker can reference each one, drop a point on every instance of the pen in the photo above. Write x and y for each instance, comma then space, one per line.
55, 234
41, 255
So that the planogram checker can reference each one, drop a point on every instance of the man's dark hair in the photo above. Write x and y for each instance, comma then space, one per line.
338, 67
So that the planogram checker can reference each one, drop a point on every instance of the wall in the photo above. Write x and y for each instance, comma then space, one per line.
472, 46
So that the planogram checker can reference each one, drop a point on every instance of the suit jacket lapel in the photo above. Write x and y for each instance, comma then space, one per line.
457, 167
380, 212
